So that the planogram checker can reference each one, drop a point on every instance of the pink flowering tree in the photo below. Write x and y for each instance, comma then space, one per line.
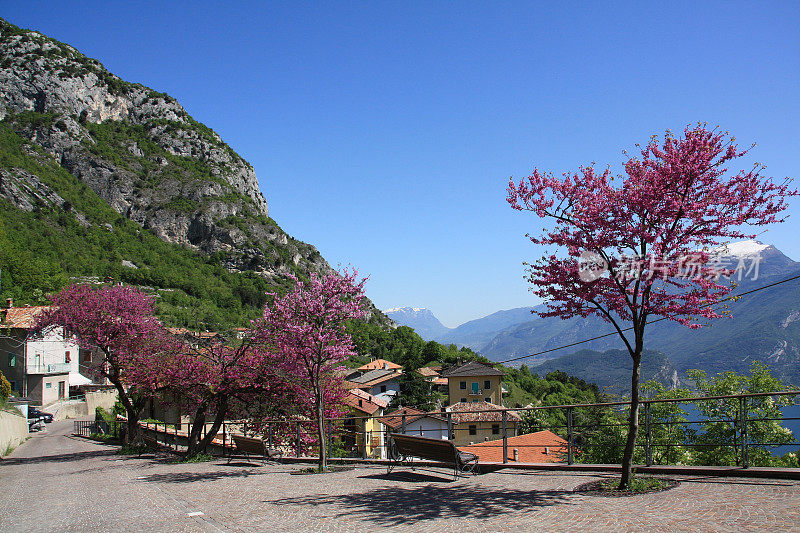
117, 321
640, 248
306, 327
212, 380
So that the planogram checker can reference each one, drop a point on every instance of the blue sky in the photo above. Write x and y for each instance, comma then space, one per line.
385, 133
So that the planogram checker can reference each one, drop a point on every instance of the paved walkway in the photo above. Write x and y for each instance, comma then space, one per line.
64, 483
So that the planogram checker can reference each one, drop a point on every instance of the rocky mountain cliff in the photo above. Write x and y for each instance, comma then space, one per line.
72, 132
141, 152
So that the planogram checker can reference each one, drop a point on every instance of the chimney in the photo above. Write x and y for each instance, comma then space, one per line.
547, 450
360, 403
516, 455
9, 302
386, 366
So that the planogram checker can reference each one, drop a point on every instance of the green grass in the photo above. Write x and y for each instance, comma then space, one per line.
638, 485
159, 423
10, 448
103, 437
195, 458
132, 449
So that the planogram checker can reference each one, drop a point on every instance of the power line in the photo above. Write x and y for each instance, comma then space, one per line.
613, 333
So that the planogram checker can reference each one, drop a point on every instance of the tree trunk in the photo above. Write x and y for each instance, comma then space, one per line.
219, 417
131, 410
197, 425
633, 422
323, 456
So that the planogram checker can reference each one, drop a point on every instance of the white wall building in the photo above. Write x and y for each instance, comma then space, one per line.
38, 367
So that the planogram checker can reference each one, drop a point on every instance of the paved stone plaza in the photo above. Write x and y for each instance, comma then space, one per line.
56, 482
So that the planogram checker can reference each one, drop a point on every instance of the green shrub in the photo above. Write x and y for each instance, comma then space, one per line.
102, 414
132, 449
102, 437
118, 409
5, 389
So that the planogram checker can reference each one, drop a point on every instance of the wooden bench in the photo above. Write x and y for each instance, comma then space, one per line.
249, 445
404, 448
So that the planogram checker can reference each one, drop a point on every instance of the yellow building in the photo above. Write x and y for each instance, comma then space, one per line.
363, 433
474, 382
480, 421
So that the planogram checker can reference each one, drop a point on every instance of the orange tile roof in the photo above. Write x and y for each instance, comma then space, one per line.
372, 383
428, 372
395, 418
22, 317
440, 381
378, 364
466, 412
540, 447
367, 396
364, 402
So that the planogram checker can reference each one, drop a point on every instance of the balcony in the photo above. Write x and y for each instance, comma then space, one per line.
52, 368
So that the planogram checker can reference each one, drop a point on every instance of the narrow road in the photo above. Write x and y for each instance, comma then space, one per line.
57, 482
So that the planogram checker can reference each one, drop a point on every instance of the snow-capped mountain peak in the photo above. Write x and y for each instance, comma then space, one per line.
419, 318
746, 248
405, 310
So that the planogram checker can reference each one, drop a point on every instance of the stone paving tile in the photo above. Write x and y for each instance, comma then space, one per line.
82, 486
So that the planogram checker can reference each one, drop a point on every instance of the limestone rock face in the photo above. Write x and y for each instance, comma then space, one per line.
141, 152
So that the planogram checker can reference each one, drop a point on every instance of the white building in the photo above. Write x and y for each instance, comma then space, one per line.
416, 422
37, 367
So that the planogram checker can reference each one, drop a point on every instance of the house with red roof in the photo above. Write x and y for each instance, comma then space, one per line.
412, 421
363, 434
379, 364
382, 382
539, 447
37, 367
480, 421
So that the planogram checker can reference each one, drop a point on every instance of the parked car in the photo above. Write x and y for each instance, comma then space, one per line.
35, 414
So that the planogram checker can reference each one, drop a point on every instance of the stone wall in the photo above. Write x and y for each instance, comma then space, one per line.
13, 431
84, 408
102, 398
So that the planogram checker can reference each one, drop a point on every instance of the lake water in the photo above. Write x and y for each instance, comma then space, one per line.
791, 411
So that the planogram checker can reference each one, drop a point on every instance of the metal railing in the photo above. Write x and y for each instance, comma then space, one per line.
349, 436
51, 368
89, 428
577, 433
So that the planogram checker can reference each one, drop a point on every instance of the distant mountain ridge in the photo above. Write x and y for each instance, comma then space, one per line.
422, 320
477, 333
473, 334
611, 370
765, 326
